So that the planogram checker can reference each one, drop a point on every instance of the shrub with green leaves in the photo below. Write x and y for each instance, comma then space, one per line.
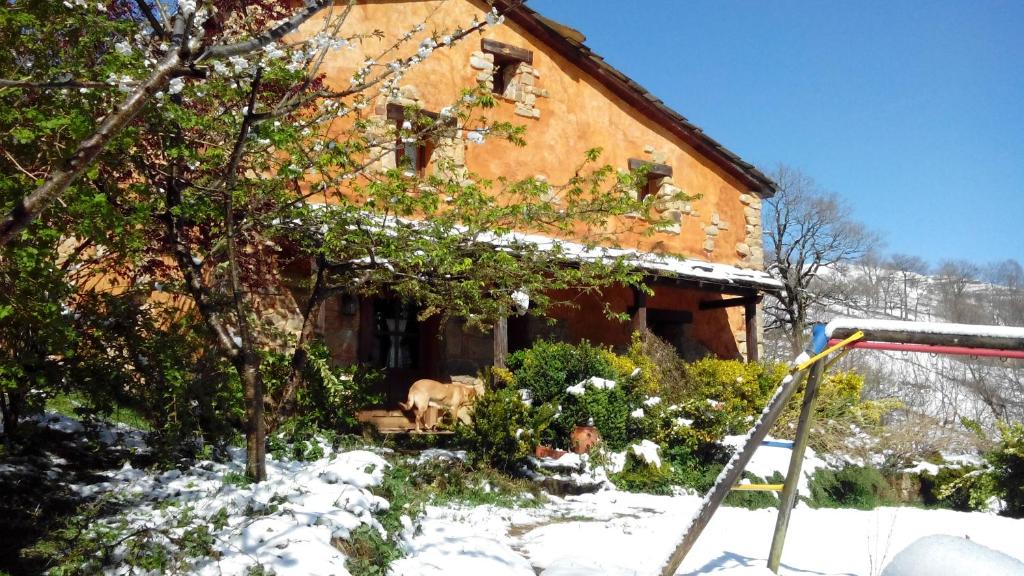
329, 397
860, 487
638, 475
501, 431
1007, 461
838, 410
756, 499
964, 488
549, 369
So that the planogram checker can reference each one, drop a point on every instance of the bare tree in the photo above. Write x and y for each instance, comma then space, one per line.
911, 274
1006, 295
957, 289
807, 231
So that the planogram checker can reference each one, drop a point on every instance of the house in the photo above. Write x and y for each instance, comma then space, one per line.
570, 100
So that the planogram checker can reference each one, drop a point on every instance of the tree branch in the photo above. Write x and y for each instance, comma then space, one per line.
273, 35
159, 29
4, 83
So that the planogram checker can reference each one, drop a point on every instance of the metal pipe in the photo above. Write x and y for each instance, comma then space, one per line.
936, 349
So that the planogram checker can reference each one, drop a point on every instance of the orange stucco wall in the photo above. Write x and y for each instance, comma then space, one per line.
578, 114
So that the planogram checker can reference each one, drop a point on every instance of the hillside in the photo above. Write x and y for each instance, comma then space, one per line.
938, 390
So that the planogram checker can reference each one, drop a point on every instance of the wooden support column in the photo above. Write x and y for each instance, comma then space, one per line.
796, 460
749, 304
639, 309
500, 341
750, 315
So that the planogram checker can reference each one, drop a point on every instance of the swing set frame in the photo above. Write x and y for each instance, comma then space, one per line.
844, 335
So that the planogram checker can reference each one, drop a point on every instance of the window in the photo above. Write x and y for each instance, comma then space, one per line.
397, 334
412, 152
656, 174
507, 59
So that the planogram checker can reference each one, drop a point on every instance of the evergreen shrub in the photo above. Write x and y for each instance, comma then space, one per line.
1007, 461
500, 435
860, 487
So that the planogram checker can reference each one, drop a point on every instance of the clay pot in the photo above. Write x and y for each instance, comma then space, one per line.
547, 452
584, 438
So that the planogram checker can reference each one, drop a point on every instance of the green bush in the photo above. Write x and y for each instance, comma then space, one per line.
860, 487
838, 410
501, 434
964, 488
329, 396
1007, 461
548, 369
639, 476
756, 499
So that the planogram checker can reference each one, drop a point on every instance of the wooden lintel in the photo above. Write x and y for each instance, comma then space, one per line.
730, 302
506, 52
655, 170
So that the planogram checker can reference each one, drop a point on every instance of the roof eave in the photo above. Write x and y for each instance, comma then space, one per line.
572, 47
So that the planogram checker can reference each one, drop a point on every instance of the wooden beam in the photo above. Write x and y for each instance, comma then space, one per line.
500, 342
506, 52
750, 317
639, 309
796, 460
655, 170
730, 302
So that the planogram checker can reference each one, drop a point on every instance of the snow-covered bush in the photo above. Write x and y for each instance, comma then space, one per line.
644, 470
590, 385
960, 484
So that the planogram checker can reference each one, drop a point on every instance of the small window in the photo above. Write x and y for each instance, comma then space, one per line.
656, 174
397, 334
507, 59
411, 153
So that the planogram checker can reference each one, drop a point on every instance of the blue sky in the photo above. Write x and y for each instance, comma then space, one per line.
913, 112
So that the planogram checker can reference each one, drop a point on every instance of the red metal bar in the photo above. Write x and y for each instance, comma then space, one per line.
950, 350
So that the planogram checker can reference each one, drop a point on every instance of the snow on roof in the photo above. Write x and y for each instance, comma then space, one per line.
692, 269
656, 264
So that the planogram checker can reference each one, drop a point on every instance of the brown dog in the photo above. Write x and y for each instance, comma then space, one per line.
454, 397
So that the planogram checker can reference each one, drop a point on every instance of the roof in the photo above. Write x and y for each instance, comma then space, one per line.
702, 274
722, 277
569, 43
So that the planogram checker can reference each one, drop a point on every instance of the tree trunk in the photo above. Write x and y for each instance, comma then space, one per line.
255, 426
10, 417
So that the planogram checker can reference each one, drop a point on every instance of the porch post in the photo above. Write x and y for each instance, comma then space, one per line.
500, 341
750, 313
639, 309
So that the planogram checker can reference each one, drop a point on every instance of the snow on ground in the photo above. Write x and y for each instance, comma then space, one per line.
616, 533
773, 456
287, 524
290, 524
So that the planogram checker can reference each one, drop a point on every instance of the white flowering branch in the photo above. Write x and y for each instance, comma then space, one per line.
273, 35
